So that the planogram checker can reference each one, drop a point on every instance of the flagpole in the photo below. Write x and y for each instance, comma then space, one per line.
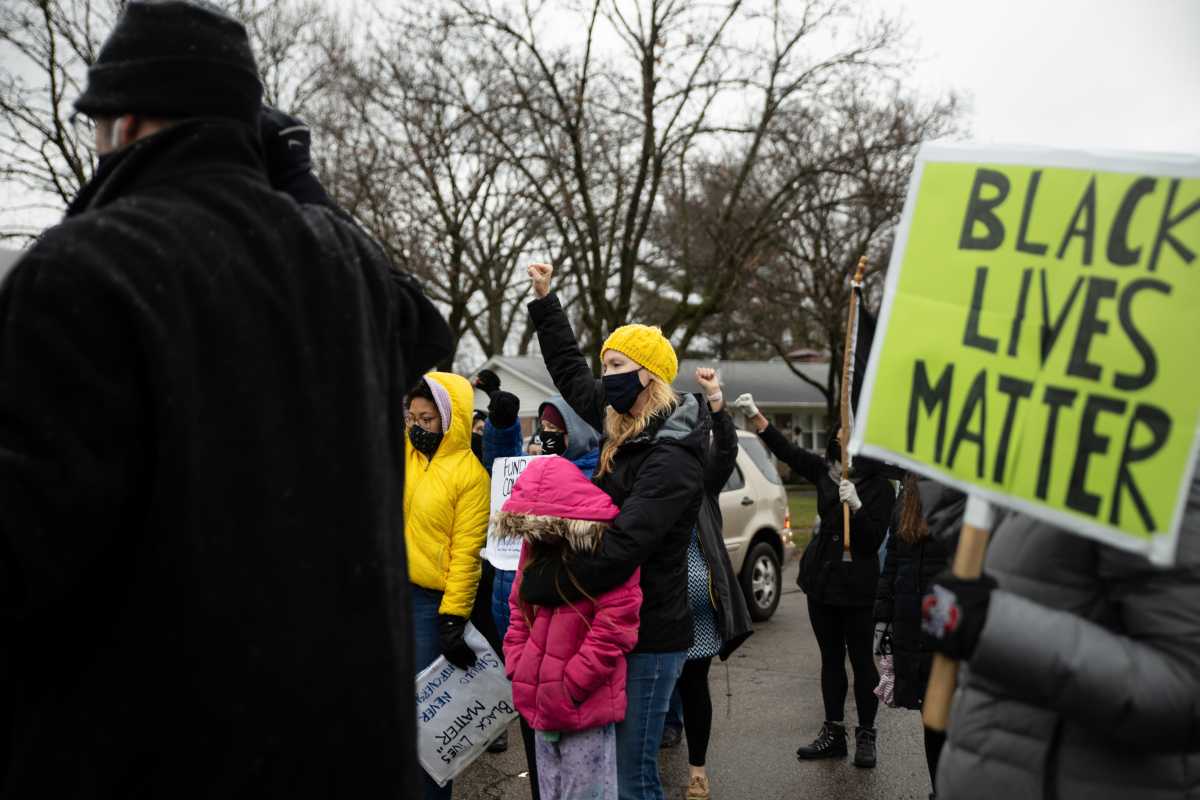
847, 386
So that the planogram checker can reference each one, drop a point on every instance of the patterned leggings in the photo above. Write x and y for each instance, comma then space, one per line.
578, 766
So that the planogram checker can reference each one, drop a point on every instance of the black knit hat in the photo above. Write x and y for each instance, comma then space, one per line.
178, 58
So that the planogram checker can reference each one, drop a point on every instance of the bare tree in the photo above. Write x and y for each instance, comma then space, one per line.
431, 185
798, 296
648, 92
46, 47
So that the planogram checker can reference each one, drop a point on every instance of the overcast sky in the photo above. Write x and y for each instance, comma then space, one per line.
1107, 74
1102, 74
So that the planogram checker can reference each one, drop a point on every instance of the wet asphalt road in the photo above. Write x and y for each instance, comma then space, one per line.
775, 707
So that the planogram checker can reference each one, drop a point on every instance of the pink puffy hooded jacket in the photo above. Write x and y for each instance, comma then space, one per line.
568, 667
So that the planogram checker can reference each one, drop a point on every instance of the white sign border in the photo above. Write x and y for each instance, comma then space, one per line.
1160, 548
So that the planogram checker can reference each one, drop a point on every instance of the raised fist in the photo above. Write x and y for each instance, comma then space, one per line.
540, 275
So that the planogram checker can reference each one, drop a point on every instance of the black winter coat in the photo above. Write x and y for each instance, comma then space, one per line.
908, 571
824, 576
202, 566
733, 616
657, 482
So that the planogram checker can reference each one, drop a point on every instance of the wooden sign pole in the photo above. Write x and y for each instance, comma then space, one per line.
847, 389
968, 563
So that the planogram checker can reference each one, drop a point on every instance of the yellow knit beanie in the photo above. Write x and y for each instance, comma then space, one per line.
646, 345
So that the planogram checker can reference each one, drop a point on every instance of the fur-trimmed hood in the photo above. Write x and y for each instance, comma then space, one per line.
582, 536
552, 499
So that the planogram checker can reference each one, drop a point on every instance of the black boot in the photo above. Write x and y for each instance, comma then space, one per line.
830, 743
864, 747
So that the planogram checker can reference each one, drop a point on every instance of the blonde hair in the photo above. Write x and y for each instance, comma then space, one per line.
620, 428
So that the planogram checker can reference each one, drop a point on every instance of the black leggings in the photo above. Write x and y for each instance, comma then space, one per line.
842, 629
933, 750
697, 708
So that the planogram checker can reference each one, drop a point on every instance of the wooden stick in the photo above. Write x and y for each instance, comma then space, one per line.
847, 390
968, 563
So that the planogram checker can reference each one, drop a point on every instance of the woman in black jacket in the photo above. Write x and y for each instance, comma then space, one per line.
840, 586
720, 618
924, 535
652, 465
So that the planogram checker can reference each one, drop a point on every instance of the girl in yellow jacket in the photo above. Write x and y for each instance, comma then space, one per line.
447, 497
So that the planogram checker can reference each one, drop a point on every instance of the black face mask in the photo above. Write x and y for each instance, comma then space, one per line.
622, 390
554, 443
425, 441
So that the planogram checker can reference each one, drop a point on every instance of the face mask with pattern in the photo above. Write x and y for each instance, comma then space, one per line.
426, 442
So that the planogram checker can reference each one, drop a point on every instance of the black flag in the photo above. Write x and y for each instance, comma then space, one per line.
862, 349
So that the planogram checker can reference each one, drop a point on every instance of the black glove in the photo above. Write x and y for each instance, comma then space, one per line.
450, 638
287, 145
503, 410
487, 382
953, 613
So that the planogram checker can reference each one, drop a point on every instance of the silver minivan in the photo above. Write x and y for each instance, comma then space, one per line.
757, 522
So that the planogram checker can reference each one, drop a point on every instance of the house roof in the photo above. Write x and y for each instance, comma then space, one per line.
771, 382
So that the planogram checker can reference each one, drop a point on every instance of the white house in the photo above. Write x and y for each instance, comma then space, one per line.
787, 401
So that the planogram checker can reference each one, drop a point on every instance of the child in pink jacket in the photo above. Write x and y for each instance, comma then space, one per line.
567, 664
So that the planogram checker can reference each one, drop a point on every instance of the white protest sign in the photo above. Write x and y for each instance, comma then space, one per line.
504, 553
460, 712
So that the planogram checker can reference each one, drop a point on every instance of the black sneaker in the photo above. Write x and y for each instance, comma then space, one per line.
500, 745
671, 737
830, 743
864, 747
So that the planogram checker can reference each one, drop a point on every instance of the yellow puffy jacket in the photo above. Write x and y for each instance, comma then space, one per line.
447, 501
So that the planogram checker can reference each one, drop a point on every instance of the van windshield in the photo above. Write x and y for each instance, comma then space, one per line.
758, 454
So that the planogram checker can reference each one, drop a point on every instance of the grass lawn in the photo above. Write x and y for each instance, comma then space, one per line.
803, 503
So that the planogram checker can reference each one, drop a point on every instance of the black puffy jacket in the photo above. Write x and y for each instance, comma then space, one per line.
657, 482
733, 616
908, 571
824, 575
202, 569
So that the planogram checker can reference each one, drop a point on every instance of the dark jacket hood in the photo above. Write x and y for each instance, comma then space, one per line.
688, 424
943, 508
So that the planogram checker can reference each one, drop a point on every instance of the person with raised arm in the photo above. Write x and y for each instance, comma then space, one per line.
652, 466
840, 584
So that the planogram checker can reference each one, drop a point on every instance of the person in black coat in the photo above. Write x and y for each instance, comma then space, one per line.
202, 566
652, 466
720, 618
925, 529
840, 585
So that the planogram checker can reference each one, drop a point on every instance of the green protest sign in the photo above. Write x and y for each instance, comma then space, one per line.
1039, 341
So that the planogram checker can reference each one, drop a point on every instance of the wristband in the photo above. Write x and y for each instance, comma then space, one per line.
716, 397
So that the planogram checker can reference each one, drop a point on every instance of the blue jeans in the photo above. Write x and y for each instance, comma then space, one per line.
650, 681
501, 589
426, 648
